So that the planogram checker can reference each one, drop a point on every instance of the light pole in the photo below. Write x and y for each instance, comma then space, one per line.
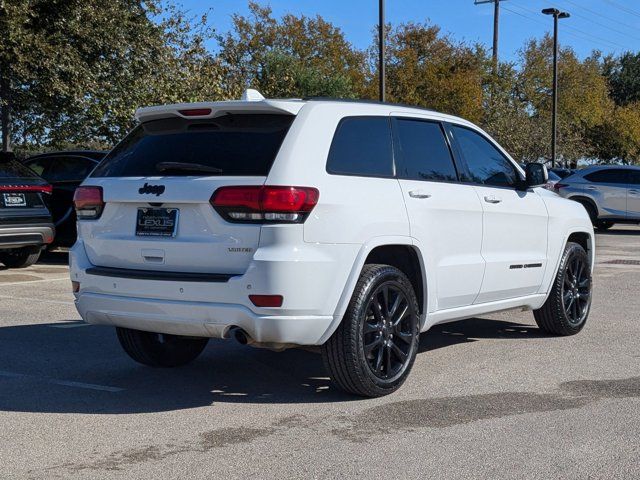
557, 14
381, 50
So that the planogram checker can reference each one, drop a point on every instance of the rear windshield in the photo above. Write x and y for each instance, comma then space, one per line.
14, 169
229, 145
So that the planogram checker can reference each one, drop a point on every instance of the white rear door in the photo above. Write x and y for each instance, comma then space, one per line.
445, 216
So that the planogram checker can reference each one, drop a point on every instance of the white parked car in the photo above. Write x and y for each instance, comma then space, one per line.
353, 226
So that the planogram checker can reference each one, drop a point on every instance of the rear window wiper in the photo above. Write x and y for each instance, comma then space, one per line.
187, 167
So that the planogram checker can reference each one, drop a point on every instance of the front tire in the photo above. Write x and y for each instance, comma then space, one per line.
160, 349
372, 351
566, 310
20, 257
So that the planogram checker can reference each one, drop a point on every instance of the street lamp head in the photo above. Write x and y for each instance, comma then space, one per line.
556, 13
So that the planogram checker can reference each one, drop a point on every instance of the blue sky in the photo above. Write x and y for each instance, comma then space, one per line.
612, 26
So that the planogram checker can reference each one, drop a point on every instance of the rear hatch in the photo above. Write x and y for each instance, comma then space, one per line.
23, 195
157, 185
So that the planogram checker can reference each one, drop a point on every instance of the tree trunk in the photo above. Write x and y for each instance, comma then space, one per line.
5, 114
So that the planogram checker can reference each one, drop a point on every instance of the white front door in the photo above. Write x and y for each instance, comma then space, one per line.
445, 216
515, 221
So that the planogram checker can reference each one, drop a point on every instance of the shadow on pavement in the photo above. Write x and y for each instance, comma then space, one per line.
54, 258
619, 232
82, 369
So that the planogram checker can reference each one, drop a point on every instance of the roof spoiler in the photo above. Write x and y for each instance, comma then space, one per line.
252, 102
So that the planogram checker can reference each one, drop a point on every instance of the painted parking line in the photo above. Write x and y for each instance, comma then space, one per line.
64, 383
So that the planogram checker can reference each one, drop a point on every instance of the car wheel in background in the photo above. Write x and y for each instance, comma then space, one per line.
20, 257
566, 310
372, 351
160, 349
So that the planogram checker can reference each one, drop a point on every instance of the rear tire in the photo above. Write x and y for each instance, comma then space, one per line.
160, 349
20, 257
566, 310
372, 351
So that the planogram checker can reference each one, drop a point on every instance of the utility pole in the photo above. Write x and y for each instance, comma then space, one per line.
381, 50
557, 14
496, 29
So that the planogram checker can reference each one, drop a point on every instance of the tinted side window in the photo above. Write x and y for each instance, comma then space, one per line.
487, 165
423, 152
608, 176
362, 146
634, 177
64, 169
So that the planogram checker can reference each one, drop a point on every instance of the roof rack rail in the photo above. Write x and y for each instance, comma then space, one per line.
367, 101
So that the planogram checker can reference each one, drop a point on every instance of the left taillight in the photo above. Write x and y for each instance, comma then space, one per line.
264, 204
88, 202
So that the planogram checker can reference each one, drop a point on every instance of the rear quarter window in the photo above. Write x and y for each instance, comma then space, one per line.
229, 145
361, 146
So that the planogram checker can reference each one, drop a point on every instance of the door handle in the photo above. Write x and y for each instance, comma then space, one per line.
591, 188
492, 199
419, 194
635, 192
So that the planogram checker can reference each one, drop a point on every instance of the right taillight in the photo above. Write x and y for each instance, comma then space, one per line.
265, 204
88, 202
558, 186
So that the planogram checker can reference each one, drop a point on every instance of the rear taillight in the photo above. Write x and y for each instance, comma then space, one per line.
88, 202
265, 204
558, 186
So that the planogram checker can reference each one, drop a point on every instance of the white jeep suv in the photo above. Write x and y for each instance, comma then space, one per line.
353, 226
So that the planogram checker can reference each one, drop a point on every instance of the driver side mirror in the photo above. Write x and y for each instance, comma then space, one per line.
537, 175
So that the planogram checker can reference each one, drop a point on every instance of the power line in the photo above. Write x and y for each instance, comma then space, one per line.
600, 15
623, 8
600, 23
586, 35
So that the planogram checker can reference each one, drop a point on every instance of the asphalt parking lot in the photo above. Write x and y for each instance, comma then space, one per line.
488, 398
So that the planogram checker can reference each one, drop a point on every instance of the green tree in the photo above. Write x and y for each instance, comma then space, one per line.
74, 71
623, 74
429, 69
291, 56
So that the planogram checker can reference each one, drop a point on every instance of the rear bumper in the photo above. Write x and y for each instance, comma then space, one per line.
310, 277
26, 235
199, 319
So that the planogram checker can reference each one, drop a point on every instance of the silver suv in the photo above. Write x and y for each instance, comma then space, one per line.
611, 194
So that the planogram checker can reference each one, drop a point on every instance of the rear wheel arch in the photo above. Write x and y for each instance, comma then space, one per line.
407, 259
381, 250
588, 203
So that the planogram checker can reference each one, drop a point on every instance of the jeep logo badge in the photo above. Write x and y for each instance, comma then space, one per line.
157, 190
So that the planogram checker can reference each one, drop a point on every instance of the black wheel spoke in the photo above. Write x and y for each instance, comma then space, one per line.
400, 355
405, 337
387, 351
401, 316
369, 347
379, 358
389, 330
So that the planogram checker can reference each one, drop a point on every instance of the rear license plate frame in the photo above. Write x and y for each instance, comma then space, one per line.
157, 222
11, 203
